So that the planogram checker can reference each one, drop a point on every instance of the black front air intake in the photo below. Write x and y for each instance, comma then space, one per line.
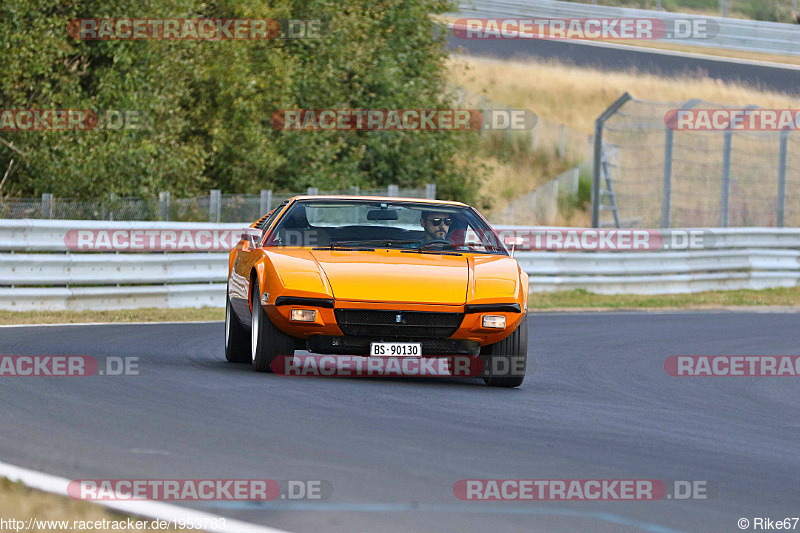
397, 324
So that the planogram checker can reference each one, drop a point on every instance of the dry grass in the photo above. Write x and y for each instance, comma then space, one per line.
22, 503
576, 96
581, 299
121, 316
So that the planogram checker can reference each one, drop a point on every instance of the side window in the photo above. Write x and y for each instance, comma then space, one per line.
267, 220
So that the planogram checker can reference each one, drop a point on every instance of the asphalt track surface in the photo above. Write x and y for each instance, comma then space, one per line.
779, 78
599, 405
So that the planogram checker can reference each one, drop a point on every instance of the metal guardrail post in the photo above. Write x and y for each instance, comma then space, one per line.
782, 177
598, 154
47, 205
163, 205
215, 205
312, 191
265, 202
666, 196
394, 191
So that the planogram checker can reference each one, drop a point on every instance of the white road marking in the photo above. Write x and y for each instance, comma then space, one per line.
147, 509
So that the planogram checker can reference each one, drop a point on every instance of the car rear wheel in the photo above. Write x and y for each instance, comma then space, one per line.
267, 341
505, 362
237, 338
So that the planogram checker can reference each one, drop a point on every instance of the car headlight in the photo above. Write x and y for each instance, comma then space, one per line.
494, 321
304, 315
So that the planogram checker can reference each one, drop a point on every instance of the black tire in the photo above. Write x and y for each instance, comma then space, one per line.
237, 338
266, 341
505, 362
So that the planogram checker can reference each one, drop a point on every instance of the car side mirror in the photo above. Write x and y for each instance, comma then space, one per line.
251, 238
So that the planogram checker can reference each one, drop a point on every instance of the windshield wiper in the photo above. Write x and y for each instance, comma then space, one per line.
371, 242
426, 245
437, 245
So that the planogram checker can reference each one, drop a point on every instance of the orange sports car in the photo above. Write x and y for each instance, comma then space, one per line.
377, 277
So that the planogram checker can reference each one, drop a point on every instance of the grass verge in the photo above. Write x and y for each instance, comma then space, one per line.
576, 299
22, 503
575, 97
581, 299
121, 316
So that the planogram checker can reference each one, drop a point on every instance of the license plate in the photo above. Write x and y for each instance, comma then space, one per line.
396, 349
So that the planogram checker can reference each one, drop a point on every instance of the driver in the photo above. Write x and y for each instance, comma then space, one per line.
436, 225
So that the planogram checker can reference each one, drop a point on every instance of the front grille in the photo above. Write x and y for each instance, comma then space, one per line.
385, 324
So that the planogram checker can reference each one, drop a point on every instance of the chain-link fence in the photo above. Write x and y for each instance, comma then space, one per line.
679, 165
215, 207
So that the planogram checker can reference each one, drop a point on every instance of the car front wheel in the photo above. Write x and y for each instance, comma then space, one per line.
237, 338
505, 362
267, 341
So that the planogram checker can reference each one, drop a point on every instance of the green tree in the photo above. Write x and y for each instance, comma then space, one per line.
208, 105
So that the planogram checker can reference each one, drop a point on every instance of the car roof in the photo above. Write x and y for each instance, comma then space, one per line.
390, 199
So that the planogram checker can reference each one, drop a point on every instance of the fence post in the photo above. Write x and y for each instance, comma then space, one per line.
598, 155
726, 179
724, 201
666, 196
163, 205
265, 202
562, 140
394, 191
482, 105
782, 177
507, 133
430, 191
214, 205
47, 205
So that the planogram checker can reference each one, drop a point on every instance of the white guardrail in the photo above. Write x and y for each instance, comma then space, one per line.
732, 34
40, 268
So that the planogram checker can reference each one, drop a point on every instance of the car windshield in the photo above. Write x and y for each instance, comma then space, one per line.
365, 224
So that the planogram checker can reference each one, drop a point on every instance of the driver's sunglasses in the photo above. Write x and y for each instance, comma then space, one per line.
439, 221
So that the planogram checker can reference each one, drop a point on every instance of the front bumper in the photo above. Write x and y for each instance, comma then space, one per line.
356, 324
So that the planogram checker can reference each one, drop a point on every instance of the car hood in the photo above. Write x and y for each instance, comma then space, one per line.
395, 276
